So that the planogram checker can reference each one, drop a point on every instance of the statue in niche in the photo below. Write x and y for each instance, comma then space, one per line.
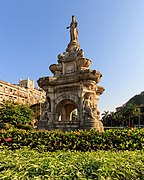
88, 114
73, 29
89, 111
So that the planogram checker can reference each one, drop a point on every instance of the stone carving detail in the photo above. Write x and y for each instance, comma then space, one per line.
90, 104
56, 68
69, 68
46, 109
71, 53
87, 110
90, 112
90, 86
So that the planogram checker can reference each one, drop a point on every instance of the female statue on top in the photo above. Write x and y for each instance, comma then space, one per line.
73, 29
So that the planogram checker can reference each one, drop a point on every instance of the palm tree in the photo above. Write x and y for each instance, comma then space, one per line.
105, 118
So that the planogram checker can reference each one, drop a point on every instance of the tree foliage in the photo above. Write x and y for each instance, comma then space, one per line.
130, 115
15, 113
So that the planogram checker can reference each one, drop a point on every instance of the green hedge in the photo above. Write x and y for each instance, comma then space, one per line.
29, 164
127, 139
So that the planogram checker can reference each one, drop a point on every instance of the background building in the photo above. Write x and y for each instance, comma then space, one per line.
24, 92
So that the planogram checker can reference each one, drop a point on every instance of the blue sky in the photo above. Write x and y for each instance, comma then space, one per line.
111, 33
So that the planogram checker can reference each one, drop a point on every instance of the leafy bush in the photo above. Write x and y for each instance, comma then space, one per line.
127, 139
29, 164
14, 113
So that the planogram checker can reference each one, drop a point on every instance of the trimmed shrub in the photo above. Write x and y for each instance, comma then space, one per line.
82, 140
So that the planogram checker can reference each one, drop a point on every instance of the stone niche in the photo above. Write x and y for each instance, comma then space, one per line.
72, 93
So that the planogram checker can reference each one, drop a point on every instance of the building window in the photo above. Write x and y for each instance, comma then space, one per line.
1, 87
6, 89
1, 96
11, 98
15, 92
11, 91
15, 99
6, 98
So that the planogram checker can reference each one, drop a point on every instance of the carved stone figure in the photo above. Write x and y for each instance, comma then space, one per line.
73, 29
87, 109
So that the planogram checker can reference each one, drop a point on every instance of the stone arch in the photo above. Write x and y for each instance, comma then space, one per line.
64, 109
65, 96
